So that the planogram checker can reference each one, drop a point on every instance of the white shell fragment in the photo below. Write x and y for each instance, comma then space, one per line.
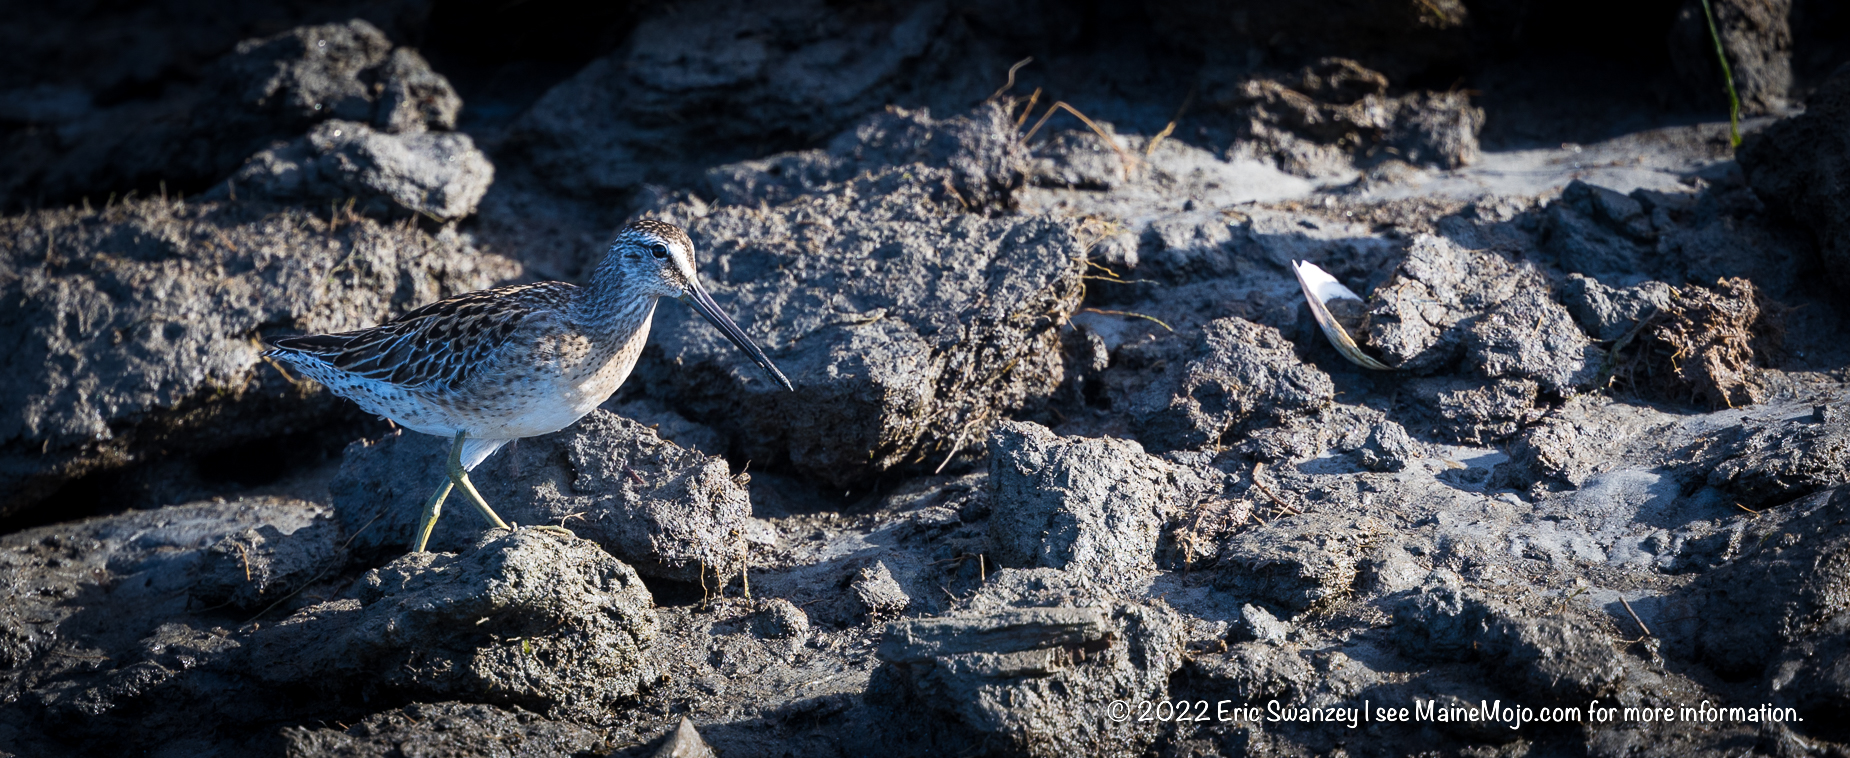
1327, 295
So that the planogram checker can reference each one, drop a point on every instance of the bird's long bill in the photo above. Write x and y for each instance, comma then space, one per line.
697, 298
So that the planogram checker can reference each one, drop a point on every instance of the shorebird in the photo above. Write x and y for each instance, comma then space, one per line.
490, 367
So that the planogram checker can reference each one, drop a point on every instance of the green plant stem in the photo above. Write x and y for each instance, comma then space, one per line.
1734, 100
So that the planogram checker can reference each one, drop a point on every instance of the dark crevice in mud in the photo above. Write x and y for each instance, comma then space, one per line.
502, 57
249, 468
669, 593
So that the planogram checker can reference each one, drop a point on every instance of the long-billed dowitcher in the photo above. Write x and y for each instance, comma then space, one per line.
494, 366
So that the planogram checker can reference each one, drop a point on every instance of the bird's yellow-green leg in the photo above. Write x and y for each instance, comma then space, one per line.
432, 509
461, 479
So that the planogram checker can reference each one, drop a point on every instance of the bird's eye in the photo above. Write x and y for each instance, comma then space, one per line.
660, 250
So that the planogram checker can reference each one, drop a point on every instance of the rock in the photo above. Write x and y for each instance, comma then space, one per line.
1532, 337
152, 44
1436, 129
1256, 624
528, 619
668, 511
906, 331
1095, 506
1388, 569
101, 627
1472, 412
1763, 464
1731, 233
142, 566
1298, 564
1334, 112
1794, 165
134, 331
877, 593
1414, 321
981, 150
1585, 436
281, 84
1034, 681
668, 425
1561, 659
1253, 672
788, 72
263, 565
1365, 435
1786, 588
782, 620
1441, 619
1190, 391
446, 728
267, 89
1757, 38
684, 743
1600, 233
414, 97
1608, 314
1813, 679
1315, 123
1389, 448
308, 73
154, 670
435, 174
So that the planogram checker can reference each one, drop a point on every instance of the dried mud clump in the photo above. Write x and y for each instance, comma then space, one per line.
1298, 565
267, 89
135, 328
790, 72
438, 174
267, 563
447, 728
1757, 38
908, 327
1797, 166
1314, 123
1096, 506
981, 149
668, 511
528, 619
1230, 374
1789, 586
1419, 318
1765, 463
1030, 680
1708, 345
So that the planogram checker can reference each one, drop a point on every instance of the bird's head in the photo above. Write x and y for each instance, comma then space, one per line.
656, 259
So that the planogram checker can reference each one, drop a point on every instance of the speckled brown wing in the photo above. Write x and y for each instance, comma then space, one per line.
436, 346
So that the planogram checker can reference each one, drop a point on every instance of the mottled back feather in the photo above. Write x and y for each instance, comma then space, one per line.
437, 346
